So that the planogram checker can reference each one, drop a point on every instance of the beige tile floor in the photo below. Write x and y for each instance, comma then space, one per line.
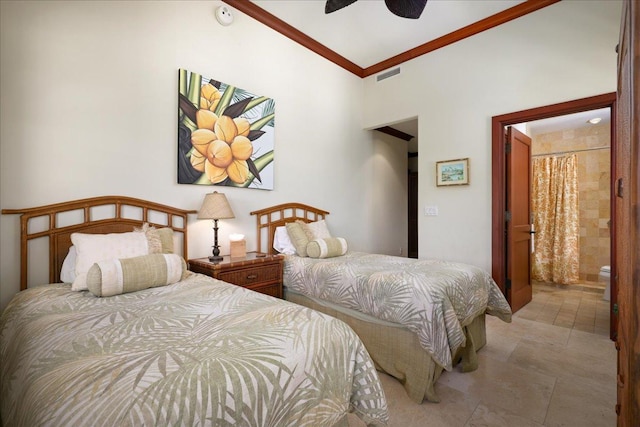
553, 365
577, 306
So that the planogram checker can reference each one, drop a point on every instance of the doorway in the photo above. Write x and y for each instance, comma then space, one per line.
407, 131
571, 198
499, 247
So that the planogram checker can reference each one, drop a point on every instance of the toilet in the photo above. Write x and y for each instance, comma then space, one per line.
605, 277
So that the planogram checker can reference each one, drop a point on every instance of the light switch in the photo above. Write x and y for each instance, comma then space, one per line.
431, 211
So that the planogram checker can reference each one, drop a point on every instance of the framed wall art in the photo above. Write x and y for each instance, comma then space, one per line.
225, 134
452, 172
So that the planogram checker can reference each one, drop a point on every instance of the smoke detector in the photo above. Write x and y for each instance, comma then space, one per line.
224, 16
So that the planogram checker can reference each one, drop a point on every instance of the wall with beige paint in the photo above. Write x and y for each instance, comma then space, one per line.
89, 100
88, 107
563, 52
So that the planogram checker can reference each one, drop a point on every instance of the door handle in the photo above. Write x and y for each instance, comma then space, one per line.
532, 233
619, 187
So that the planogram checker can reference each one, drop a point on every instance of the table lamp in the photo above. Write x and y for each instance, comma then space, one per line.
215, 206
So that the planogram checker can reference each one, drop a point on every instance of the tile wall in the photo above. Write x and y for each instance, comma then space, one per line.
594, 177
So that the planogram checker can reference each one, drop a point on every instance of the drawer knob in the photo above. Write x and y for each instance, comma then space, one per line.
252, 276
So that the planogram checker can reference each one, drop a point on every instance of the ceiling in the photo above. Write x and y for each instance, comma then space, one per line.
366, 33
569, 121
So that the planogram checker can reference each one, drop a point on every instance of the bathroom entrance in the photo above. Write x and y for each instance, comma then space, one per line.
500, 267
571, 199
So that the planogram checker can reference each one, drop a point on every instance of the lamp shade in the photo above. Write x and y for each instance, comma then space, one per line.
215, 206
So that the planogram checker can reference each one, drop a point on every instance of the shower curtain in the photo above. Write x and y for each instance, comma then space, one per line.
555, 218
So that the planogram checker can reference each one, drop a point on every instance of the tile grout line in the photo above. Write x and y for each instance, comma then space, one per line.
553, 390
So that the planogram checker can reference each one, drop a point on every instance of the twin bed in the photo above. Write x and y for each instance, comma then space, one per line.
415, 317
196, 350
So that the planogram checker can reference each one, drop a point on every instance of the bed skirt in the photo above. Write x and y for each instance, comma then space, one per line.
396, 351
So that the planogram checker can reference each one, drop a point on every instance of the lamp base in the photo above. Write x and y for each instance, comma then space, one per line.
215, 258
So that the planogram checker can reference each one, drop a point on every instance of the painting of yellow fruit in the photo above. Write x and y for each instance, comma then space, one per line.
225, 134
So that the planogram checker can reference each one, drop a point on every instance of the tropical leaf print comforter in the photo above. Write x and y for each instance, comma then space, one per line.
200, 352
434, 299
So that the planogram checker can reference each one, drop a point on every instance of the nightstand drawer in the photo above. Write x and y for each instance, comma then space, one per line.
258, 272
256, 275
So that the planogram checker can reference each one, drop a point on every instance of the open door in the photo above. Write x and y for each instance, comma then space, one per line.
499, 140
518, 217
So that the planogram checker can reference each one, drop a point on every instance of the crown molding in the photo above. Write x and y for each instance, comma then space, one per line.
488, 23
251, 9
277, 24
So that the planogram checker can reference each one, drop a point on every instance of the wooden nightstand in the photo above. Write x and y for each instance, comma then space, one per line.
259, 273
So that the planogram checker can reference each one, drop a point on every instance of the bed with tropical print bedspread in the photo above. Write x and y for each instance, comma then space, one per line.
434, 299
199, 352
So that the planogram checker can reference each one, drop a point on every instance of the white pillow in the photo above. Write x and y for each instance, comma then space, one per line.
68, 270
92, 248
282, 243
318, 229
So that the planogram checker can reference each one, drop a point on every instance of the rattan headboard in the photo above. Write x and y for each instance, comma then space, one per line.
269, 219
121, 220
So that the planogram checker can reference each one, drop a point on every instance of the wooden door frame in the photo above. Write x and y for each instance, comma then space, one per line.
498, 179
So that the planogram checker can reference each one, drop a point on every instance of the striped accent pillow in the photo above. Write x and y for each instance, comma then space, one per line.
327, 247
120, 276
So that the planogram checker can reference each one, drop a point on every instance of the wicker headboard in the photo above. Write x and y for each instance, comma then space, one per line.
113, 214
269, 219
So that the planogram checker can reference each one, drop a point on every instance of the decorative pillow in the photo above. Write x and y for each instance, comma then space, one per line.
153, 241
298, 238
160, 239
307, 230
119, 276
91, 248
316, 230
327, 247
68, 270
166, 239
282, 243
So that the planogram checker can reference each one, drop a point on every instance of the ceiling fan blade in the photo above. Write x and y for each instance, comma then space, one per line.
411, 9
333, 5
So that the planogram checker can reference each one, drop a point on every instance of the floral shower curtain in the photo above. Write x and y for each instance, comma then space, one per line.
555, 206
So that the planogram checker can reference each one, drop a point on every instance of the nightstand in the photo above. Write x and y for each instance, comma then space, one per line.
259, 273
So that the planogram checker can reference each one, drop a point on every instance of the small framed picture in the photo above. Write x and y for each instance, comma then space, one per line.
452, 172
